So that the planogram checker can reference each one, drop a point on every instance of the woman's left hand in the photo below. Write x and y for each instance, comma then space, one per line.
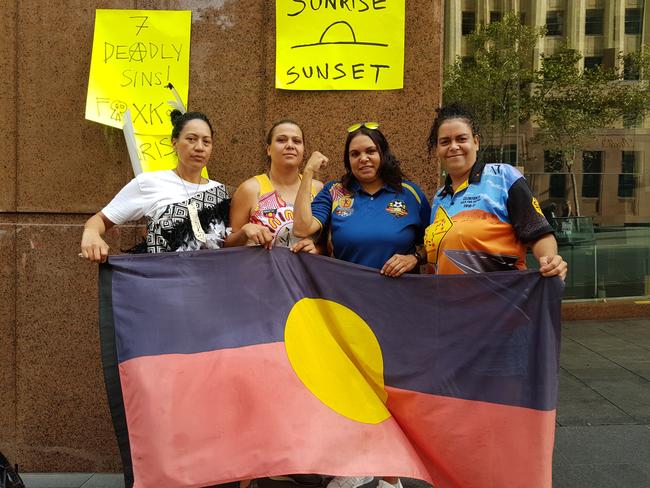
305, 245
553, 266
399, 264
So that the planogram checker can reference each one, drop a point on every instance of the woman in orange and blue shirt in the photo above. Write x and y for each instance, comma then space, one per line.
485, 217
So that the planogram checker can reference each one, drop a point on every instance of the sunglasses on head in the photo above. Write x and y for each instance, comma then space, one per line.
367, 125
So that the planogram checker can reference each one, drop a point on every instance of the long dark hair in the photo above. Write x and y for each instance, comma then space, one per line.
449, 112
179, 119
390, 171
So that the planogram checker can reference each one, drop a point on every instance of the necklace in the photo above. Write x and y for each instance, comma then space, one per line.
278, 188
193, 211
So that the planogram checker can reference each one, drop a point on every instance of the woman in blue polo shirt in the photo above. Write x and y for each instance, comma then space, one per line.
375, 216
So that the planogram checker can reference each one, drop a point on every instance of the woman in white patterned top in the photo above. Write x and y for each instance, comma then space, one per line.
184, 211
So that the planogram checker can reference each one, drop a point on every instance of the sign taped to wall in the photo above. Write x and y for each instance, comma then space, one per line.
135, 55
339, 44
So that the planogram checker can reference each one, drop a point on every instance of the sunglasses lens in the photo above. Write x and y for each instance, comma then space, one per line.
367, 125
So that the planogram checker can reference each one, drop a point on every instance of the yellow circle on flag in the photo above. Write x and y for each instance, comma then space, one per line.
338, 358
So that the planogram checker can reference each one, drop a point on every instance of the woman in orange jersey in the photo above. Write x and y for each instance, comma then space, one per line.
485, 216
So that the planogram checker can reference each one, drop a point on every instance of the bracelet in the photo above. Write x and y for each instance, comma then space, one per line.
421, 259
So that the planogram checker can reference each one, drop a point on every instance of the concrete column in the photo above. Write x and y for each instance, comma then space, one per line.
482, 12
509, 6
574, 13
536, 17
614, 31
453, 35
645, 28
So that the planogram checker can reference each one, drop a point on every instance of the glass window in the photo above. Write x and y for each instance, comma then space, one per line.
553, 163
468, 23
492, 154
633, 18
467, 61
592, 169
630, 69
555, 22
495, 16
627, 178
592, 62
594, 22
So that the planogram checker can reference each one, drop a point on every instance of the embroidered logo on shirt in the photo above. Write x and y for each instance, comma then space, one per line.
537, 207
346, 202
343, 211
397, 208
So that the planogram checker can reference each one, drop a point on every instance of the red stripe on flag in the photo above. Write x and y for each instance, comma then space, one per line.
471, 444
213, 417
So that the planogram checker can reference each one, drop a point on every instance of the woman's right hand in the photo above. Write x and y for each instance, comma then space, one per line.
316, 162
93, 247
258, 235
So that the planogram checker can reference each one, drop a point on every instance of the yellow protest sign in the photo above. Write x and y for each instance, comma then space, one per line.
135, 54
339, 44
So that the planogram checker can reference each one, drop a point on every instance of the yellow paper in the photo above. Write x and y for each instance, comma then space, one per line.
339, 44
135, 54
156, 153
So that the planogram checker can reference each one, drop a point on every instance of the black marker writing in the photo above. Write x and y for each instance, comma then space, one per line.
144, 21
357, 71
349, 5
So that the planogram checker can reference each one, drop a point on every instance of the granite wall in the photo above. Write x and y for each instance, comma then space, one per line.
57, 169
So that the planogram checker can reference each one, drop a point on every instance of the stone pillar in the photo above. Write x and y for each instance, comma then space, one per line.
537, 15
614, 32
482, 12
574, 13
453, 34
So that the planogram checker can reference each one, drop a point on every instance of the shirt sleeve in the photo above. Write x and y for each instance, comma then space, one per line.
321, 206
424, 212
425, 215
525, 214
127, 205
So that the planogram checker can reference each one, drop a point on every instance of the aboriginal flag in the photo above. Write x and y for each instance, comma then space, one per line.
244, 363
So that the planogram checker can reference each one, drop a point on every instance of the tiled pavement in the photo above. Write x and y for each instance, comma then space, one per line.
603, 420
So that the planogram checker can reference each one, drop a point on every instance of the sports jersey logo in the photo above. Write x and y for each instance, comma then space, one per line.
397, 208
346, 202
343, 211
269, 213
537, 208
435, 233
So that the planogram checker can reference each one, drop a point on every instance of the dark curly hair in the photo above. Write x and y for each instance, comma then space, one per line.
449, 112
179, 119
390, 171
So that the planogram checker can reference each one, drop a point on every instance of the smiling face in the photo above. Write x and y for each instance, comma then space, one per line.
194, 144
287, 145
365, 159
456, 147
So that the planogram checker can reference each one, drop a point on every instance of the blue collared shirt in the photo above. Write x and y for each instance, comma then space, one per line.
370, 229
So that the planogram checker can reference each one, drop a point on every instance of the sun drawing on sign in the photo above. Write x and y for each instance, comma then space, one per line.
338, 358
342, 31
